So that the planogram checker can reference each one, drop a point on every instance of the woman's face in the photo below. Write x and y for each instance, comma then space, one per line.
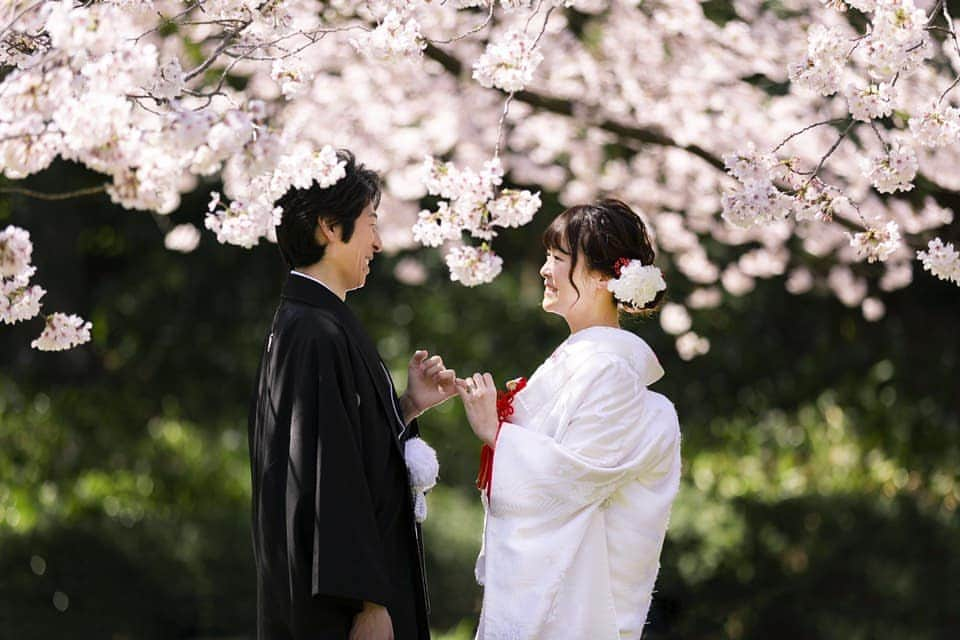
559, 296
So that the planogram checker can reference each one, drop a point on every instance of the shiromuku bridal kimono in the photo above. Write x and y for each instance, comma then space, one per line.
584, 474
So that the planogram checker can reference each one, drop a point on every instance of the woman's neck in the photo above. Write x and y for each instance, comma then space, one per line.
608, 316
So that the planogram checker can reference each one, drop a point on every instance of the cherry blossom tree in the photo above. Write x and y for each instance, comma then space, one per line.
790, 134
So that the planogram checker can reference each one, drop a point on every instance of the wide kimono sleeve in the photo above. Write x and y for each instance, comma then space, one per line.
614, 431
332, 532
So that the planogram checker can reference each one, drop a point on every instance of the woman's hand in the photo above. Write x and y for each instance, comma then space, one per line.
479, 396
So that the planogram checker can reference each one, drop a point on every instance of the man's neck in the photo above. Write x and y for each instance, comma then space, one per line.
327, 276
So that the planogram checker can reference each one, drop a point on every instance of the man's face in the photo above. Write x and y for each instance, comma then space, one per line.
352, 259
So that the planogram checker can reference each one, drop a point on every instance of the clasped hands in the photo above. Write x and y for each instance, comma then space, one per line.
430, 382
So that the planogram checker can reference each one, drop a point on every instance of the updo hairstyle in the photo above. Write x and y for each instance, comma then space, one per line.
600, 234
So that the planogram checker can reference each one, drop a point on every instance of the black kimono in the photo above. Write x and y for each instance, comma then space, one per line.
333, 521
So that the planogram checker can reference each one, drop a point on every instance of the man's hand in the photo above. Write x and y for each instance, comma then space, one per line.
429, 383
373, 623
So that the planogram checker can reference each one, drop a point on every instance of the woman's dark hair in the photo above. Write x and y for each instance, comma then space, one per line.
339, 204
602, 233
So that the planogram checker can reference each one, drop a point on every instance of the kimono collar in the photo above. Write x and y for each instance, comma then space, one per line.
311, 291
629, 346
316, 294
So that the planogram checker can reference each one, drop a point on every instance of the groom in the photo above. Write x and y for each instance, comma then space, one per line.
337, 548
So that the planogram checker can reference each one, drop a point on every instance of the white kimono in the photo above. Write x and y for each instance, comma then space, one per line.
584, 475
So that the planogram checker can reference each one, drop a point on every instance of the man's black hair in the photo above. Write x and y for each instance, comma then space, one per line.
339, 204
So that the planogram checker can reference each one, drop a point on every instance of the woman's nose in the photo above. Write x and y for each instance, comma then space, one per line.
544, 272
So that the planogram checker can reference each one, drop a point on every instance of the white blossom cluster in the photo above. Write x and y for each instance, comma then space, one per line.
62, 332
16, 253
898, 42
472, 205
508, 63
675, 319
937, 126
183, 238
942, 260
817, 201
873, 101
254, 215
292, 75
822, 67
18, 299
892, 170
100, 85
877, 244
757, 200
394, 38
690, 345
472, 266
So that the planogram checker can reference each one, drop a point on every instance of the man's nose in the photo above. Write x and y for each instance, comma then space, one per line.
377, 243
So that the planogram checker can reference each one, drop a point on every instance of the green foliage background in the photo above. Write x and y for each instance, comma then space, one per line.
821, 452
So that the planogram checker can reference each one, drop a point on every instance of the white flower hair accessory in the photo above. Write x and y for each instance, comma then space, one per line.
636, 284
423, 468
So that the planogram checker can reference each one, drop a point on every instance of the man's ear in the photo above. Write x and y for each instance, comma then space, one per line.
326, 232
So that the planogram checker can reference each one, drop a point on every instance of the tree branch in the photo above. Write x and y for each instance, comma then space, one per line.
55, 196
564, 107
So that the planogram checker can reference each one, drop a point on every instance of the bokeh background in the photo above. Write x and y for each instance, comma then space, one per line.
821, 451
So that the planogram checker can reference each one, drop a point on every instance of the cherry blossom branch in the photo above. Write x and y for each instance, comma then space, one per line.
933, 12
805, 129
503, 118
543, 28
312, 36
533, 13
22, 13
164, 20
228, 37
54, 196
565, 107
876, 130
829, 153
506, 104
956, 44
476, 29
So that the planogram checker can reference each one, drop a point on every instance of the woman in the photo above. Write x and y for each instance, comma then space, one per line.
583, 467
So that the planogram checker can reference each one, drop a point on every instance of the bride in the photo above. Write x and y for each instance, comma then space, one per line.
580, 464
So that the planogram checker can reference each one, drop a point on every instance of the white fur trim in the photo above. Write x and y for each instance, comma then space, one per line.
419, 506
422, 464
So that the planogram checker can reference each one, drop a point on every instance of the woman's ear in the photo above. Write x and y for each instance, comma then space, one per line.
601, 282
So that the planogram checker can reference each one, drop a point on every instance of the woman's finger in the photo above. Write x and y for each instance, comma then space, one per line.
488, 381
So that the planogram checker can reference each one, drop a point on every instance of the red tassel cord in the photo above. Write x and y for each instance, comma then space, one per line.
504, 411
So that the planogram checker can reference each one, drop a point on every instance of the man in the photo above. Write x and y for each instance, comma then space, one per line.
337, 548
